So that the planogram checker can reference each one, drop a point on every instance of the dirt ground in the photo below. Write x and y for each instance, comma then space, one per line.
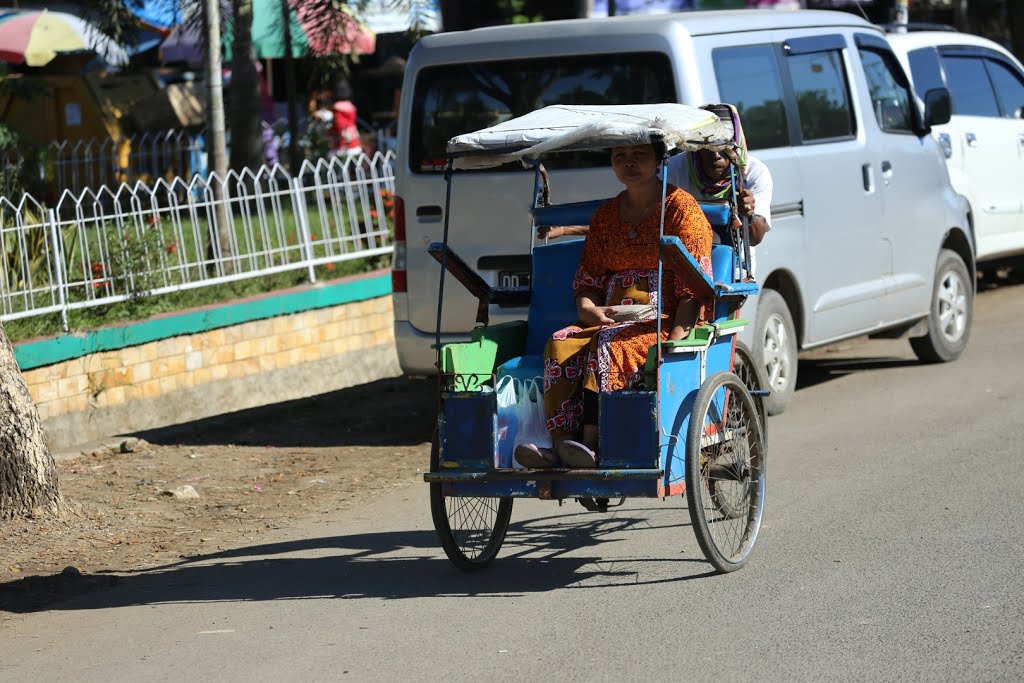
256, 470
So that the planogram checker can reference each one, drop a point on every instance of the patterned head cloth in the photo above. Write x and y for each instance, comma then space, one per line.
720, 189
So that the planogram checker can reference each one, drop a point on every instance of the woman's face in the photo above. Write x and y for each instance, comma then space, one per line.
634, 164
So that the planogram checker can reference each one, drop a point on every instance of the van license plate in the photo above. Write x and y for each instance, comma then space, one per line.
513, 279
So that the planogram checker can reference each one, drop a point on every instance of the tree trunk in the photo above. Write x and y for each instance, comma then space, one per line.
246, 140
28, 477
218, 166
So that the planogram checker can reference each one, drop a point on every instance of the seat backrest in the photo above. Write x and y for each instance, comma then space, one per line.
723, 261
552, 305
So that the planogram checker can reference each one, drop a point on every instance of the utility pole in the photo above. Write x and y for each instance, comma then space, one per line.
217, 148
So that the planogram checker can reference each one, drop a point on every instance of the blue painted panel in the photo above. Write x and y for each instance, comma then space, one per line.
604, 489
552, 305
679, 380
717, 213
627, 428
719, 355
493, 489
469, 429
576, 213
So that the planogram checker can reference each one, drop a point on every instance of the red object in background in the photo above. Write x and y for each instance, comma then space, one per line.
399, 281
344, 129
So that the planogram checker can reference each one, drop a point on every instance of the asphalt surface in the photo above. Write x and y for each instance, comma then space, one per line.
891, 550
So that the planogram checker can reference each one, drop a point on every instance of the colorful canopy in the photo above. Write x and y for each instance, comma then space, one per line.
36, 37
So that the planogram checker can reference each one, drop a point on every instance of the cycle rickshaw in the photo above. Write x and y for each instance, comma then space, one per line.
695, 428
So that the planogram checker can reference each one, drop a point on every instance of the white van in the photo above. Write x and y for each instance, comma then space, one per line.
867, 235
984, 139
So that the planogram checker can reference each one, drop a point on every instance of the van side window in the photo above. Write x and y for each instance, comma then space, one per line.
748, 77
890, 96
970, 87
822, 99
925, 70
1009, 86
456, 98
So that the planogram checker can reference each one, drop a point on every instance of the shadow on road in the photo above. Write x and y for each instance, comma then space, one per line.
538, 556
389, 412
1003, 273
813, 371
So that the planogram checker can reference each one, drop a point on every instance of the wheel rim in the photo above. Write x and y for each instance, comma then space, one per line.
472, 522
953, 306
731, 474
777, 362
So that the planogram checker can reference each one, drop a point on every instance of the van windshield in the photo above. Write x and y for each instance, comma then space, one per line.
460, 98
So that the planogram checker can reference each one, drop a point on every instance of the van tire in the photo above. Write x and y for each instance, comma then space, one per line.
950, 313
775, 349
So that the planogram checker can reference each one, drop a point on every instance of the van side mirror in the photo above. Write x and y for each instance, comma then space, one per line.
937, 107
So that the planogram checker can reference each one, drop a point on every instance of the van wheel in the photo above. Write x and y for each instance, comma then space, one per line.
775, 349
952, 307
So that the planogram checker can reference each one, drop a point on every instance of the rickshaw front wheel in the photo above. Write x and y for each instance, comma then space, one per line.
471, 528
725, 471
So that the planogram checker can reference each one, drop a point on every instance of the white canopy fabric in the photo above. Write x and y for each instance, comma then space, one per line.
573, 127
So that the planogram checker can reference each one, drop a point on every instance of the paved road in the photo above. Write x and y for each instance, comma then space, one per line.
891, 549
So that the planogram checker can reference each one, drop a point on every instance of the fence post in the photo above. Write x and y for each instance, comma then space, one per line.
302, 225
58, 267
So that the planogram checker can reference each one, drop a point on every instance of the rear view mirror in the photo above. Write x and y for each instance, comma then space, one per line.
937, 107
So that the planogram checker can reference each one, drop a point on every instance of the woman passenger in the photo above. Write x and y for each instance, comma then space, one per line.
619, 266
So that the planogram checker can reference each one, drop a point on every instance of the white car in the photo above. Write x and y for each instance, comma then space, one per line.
984, 139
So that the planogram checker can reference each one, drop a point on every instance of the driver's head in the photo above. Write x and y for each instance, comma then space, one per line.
714, 164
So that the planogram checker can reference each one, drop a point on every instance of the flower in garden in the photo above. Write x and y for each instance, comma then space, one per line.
330, 266
171, 247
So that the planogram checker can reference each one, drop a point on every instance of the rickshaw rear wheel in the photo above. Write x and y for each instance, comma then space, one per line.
745, 368
471, 528
725, 471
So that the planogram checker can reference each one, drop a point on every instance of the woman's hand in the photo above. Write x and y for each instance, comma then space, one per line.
592, 315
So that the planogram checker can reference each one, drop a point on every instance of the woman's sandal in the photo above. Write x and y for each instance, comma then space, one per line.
574, 454
535, 457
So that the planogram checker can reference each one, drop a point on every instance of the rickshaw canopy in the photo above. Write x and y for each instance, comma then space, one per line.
565, 127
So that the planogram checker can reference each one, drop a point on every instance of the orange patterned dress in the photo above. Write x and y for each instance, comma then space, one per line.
619, 266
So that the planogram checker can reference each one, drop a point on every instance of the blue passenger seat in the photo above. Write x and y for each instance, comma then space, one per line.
554, 266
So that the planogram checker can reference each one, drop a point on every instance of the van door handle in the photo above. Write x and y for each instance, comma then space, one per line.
886, 171
867, 174
430, 213
972, 139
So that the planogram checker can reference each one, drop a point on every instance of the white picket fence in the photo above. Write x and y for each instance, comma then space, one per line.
107, 245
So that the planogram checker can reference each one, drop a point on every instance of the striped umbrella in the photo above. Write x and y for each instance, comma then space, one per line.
34, 38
